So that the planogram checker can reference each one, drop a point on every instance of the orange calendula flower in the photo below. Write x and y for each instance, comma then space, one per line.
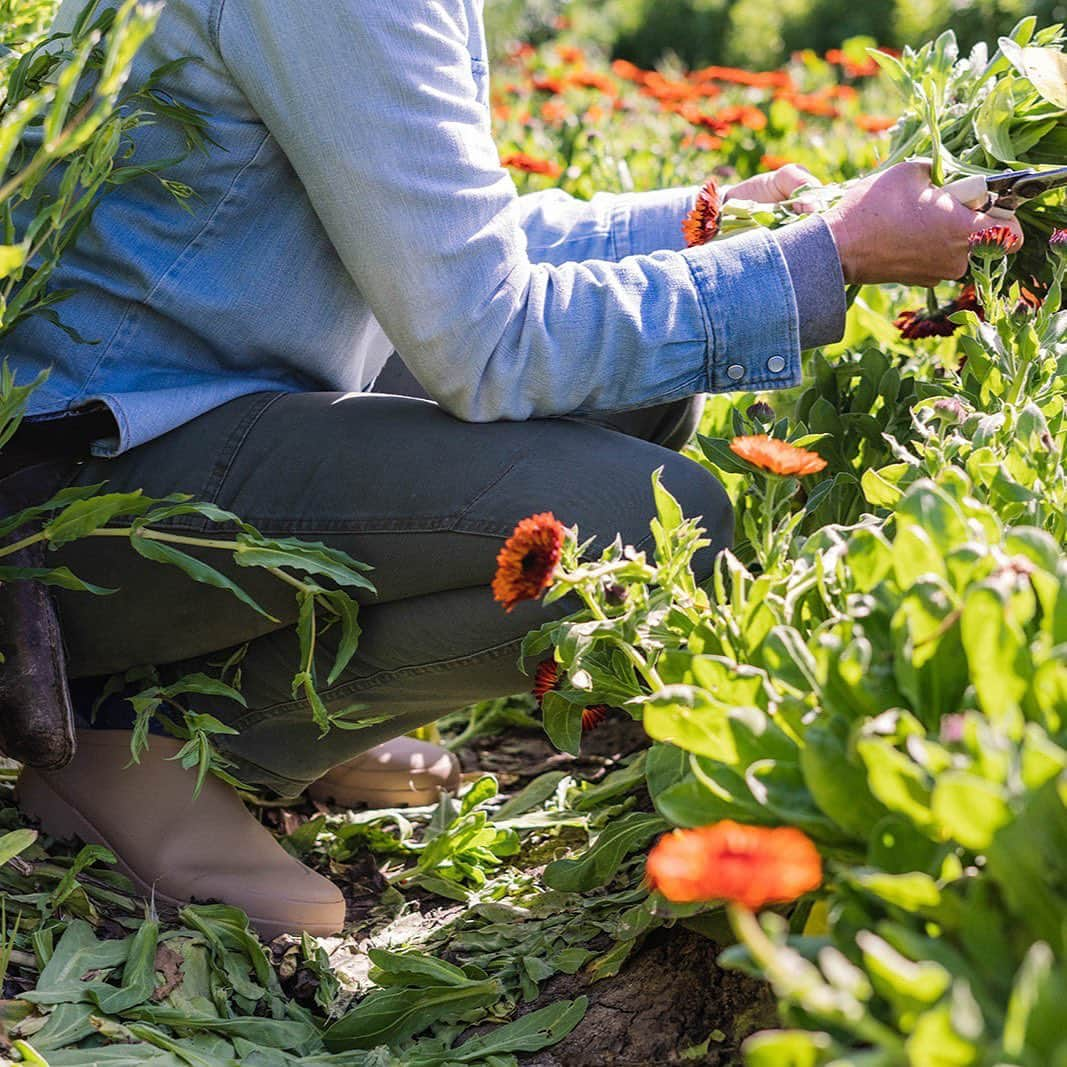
702, 223
749, 865
777, 457
526, 565
532, 165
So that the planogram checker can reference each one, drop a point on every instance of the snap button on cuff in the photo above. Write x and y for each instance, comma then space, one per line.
776, 364
735, 372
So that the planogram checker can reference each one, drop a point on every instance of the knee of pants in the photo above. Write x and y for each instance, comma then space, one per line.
700, 493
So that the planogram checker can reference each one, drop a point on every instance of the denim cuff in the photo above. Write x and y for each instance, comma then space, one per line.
750, 313
642, 223
818, 281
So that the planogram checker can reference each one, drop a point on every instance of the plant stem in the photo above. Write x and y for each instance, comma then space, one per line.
770, 502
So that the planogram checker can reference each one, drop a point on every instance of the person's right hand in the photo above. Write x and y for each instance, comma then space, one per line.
898, 227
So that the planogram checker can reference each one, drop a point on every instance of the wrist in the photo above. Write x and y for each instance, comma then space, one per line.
839, 228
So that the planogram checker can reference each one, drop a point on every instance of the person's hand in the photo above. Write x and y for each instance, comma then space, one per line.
898, 227
774, 186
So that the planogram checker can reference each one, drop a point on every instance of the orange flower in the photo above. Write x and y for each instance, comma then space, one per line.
590, 79
777, 457
743, 115
547, 678
531, 165
769, 162
750, 865
554, 111
625, 69
702, 223
875, 123
706, 142
545, 84
571, 55
526, 565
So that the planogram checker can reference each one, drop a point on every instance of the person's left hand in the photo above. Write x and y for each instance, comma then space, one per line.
773, 186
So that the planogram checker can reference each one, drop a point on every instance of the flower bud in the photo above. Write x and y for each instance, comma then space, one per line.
993, 243
950, 408
761, 412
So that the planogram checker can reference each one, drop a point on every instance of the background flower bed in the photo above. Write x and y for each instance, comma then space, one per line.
752, 33
879, 664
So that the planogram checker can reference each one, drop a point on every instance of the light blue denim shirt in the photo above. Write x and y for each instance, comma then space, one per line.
356, 203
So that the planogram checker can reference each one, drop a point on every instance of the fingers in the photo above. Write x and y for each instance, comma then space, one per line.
788, 179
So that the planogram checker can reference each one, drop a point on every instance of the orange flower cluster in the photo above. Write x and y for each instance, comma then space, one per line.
820, 104
777, 457
767, 79
748, 865
547, 678
526, 565
531, 165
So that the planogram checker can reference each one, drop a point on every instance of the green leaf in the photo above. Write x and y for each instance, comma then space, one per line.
348, 612
896, 781
77, 953
84, 516
837, 782
389, 1016
1046, 69
196, 569
138, 975
788, 1048
970, 809
538, 1030
563, 722
914, 891
312, 557
14, 842
997, 652
60, 577
413, 969
599, 864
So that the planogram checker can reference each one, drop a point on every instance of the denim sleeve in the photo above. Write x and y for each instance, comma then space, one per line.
377, 107
560, 228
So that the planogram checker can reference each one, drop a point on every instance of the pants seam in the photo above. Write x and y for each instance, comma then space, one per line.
350, 688
235, 443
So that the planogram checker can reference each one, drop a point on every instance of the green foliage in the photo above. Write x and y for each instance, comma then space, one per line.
895, 686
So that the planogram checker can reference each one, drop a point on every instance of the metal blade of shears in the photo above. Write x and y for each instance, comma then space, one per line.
1001, 195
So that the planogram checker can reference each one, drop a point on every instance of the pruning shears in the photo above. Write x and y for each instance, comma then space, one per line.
1001, 195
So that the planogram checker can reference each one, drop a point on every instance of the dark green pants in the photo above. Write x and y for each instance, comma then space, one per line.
397, 483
